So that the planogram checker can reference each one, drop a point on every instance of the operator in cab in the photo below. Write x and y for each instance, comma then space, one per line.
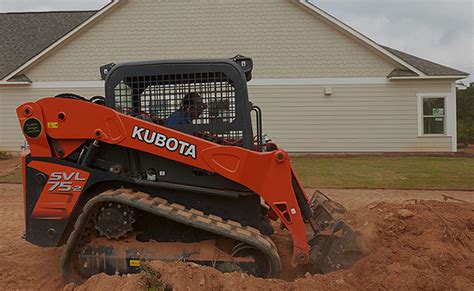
191, 108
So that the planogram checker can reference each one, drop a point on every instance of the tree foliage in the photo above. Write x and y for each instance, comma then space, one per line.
465, 114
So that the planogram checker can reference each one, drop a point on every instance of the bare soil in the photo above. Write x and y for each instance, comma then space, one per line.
9, 166
433, 249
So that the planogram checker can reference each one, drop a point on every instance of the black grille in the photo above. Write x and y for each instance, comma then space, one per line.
155, 98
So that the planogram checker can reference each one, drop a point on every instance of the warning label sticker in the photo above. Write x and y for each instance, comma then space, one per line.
53, 125
32, 128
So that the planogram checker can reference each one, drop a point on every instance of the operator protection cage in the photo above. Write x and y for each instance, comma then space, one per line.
153, 91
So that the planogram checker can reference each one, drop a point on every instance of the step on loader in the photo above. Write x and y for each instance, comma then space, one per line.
168, 166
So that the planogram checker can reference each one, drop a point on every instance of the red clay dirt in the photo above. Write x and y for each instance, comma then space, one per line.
422, 245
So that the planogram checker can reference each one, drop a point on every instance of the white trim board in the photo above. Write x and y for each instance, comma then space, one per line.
14, 83
255, 82
319, 81
452, 110
70, 84
459, 77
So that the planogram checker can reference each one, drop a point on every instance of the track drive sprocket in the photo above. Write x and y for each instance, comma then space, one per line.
114, 220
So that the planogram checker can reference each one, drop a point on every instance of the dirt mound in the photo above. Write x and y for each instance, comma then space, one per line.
105, 282
427, 245
422, 245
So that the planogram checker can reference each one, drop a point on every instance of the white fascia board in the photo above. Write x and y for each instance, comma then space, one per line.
3, 84
255, 82
358, 35
92, 19
319, 81
430, 78
433, 95
71, 84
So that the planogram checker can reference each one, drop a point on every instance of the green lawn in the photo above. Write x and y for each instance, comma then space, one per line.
376, 172
455, 173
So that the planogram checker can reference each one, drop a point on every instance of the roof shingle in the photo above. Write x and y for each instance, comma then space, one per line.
402, 73
427, 67
24, 35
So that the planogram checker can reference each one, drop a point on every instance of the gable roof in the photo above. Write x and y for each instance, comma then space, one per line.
428, 67
46, 30
25, 35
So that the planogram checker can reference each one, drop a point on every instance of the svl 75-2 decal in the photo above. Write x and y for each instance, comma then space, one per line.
65, 182
60, 192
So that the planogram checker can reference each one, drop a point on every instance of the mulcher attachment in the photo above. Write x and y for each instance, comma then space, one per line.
335, 245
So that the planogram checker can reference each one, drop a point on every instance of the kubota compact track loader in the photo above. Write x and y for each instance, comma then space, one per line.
167, 167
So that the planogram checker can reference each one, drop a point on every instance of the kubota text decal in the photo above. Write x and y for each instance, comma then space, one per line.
162, 141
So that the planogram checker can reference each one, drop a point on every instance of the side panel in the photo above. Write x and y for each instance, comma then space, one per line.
56, 191
51, 193
61, 191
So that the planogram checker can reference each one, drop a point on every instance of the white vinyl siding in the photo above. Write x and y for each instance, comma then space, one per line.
300, 118
355, 118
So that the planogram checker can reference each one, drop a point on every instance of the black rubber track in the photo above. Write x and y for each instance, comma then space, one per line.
175, 212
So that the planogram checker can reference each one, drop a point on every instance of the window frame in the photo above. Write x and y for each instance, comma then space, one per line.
422, 116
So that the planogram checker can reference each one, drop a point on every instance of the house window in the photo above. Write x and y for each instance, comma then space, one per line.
434, 115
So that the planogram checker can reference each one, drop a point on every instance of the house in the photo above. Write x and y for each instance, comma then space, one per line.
323, 86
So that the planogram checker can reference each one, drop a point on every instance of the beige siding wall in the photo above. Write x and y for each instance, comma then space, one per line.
10, 98
356, 118
284, 39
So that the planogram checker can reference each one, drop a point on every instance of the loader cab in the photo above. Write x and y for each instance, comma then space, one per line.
162, 91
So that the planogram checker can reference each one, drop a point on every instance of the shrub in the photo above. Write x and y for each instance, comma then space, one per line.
465, 132
465, 113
